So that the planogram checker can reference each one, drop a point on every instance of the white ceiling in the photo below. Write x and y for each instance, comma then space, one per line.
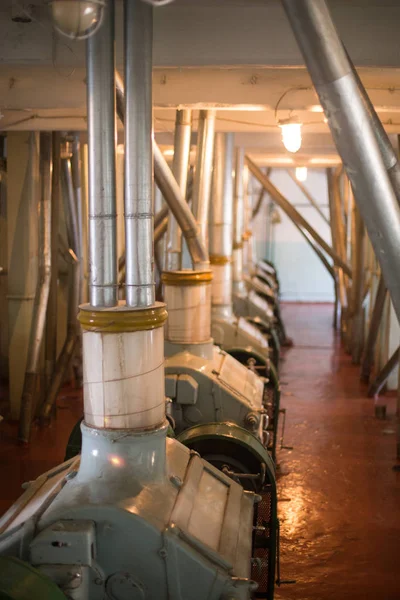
237, 56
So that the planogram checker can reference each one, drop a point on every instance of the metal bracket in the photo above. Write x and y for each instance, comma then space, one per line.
283, 411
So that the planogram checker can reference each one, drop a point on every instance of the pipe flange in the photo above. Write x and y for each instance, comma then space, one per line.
186, 278
216, 259
122, 318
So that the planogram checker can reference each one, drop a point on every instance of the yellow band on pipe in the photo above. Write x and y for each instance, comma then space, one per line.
186, 277
122, 318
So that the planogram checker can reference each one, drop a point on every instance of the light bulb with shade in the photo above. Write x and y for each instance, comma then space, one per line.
77, 19
291, 136
301, 173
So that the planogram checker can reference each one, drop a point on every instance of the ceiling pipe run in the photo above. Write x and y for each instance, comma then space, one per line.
170, 190
103, 261
389, 155
352, 130
180, 169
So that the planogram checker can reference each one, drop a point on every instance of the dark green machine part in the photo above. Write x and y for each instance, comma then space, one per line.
20, 581
271, 400
271, 335
239, 454
74, 444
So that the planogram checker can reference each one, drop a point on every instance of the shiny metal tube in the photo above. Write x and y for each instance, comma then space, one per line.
172, 194
389, 155
139, 283
180, 209
295, 216
203, 173
353, 132
102, 173
180, 168
238, 221
160, 230
221, 211
51, 319
42, 293
238, 201
77, 186
73, 228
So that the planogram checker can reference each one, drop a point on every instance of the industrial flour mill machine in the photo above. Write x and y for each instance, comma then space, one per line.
139, 514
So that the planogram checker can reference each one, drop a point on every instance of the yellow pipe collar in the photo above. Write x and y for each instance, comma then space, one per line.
216, 259
122, 318
181, 278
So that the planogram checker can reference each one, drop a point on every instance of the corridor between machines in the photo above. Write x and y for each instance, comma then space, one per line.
338, 493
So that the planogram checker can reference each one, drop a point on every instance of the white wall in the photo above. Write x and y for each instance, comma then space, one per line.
302, 275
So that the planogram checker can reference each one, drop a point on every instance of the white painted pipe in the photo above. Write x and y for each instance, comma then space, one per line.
123, 379
189, 314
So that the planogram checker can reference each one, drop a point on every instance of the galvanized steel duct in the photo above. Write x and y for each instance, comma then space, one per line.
172, 194
203, 173
389, 155
103, 281
180, 167
352, 130
139, 283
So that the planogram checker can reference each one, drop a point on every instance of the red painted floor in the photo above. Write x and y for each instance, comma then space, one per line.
340, 498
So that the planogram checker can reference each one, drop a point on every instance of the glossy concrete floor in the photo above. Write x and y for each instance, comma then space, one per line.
340, 498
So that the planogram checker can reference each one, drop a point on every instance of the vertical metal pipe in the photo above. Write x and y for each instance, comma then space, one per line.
203, 173
51, 320
352, 130
101, 141
172, 194
77, 187
221, 211
138, 20
238, 214
42, 293
180, 167
221, 225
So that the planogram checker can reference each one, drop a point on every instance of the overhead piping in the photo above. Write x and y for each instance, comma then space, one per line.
352, 130
180, 169
203, 173
172, 194
103, 277
139, 283
221, 225
238, 222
